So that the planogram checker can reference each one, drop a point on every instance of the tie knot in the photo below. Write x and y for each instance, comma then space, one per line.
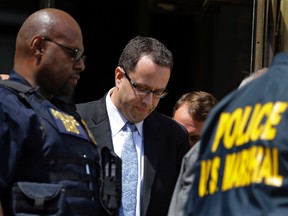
129, 126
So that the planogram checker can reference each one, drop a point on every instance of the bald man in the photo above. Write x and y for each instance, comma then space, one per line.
46, 150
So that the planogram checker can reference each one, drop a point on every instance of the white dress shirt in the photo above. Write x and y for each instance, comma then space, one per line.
117, 121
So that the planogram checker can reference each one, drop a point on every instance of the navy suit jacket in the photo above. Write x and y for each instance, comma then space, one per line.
165, 144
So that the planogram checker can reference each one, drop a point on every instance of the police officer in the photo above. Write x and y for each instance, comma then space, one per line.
242, 168
43, 142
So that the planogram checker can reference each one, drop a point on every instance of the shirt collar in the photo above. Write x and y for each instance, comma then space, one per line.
116, 119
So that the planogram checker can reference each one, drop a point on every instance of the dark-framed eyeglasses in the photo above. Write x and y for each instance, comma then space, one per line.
75, 53
143, 91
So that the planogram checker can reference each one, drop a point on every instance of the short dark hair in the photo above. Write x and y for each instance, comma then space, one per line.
199, 104
145, 46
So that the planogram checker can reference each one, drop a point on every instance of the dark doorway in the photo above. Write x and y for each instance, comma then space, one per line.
210, 40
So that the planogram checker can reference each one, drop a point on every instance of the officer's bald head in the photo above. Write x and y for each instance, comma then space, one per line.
49, 21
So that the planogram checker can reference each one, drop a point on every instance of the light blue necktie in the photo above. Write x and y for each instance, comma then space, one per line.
129, 172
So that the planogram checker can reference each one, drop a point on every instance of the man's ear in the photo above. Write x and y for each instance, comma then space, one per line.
36, 45
119, 74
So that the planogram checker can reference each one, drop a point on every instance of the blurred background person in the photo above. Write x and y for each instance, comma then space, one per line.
191, 110
252, 76
201, 103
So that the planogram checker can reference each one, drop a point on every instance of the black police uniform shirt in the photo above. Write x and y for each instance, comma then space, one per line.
51, 146
242, 167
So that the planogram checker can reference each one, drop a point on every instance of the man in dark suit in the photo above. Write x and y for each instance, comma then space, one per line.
141, 79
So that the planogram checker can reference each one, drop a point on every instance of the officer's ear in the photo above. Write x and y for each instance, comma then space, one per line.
37, 46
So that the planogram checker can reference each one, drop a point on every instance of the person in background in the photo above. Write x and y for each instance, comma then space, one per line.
252, 76
191, 110
185, 179
141, 80
45, 149
245, 142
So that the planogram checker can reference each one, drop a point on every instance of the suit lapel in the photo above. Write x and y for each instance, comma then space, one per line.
100, 126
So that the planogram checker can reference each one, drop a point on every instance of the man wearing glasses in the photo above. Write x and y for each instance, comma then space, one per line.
141, 79
49, 159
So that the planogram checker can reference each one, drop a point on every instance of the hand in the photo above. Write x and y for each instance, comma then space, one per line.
4, 76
